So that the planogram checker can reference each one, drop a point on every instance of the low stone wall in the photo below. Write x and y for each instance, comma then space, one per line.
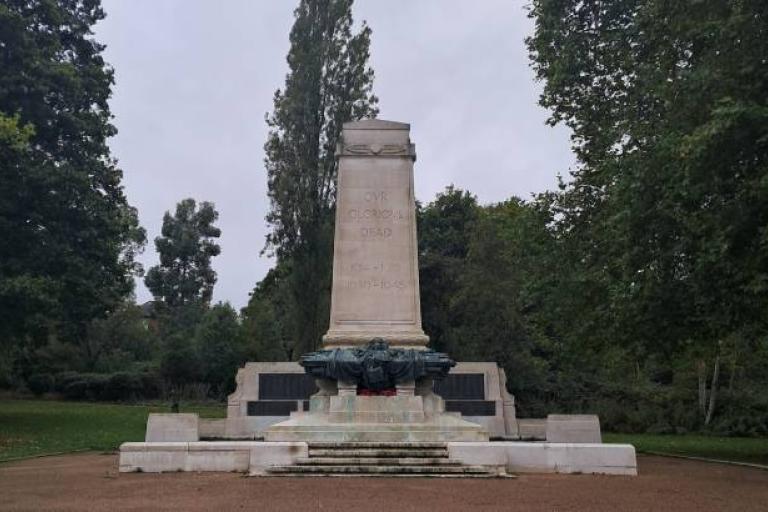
523, 457
241, 456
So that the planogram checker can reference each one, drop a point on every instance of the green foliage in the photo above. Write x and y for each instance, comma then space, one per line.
444, 229
36, 427
69, 235
666, 212
219, 340
329, 82
186, 247
267, 318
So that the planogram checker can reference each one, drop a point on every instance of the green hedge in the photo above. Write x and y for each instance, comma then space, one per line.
113, 387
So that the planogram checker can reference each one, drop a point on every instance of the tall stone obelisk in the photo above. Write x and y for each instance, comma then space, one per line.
375, 290
375, 295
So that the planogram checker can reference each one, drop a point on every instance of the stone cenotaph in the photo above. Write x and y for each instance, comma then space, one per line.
375, 372
375, 411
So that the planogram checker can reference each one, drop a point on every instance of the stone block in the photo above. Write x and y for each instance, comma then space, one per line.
172, 428
218, 456
162, 458
376, 409
265, 455
532, 428
573, 428
525, 457
212, 428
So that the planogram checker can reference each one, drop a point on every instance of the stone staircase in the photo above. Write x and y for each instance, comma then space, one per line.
380, 459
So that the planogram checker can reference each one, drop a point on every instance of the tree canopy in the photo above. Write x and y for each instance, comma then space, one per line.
186, 247
69, 234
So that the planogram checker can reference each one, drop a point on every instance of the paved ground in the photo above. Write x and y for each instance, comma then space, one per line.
91, 482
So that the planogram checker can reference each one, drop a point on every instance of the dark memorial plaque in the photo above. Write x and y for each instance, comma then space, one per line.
275, 407
272, 408
286, 386
471, 407
461, 386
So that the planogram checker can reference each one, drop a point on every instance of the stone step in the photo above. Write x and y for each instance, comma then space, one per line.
379, 470
377, 453
399, 445
376, 461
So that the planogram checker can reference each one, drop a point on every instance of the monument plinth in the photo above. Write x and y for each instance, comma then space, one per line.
375, 291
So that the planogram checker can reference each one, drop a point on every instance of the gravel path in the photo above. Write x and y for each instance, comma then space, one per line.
91, 482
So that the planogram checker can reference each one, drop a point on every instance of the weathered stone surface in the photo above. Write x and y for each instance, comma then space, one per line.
172, 427
212, 428
239, 424
492, 388
503, 423
573, 428
371, 459
268, 455
250, 456
375, 291
532, 428
523, 457
259, 457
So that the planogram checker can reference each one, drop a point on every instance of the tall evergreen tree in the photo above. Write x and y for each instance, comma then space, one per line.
329, 83
186, 246
68, 233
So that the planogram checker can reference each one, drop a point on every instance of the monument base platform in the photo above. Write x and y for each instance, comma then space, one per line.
351, 418
265, 458
316, 428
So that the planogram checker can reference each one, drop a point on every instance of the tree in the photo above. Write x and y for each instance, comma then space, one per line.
184, 275
69, 234
329, 83
267, 318
668, 106
219, 342
444, 229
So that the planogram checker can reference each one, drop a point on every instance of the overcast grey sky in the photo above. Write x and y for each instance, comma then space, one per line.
195, 78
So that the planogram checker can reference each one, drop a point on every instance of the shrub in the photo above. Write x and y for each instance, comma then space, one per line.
122, 386
40, 383
89, 386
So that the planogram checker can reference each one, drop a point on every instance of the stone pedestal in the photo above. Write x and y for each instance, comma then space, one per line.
397, 419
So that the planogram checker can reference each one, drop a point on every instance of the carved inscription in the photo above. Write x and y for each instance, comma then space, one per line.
377, 149
374, 280
373, 284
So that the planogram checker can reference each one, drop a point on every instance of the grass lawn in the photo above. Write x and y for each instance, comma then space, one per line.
39, 427
741, 449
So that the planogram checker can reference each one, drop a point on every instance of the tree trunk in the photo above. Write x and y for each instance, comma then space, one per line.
732, 376
713, 390
701, 369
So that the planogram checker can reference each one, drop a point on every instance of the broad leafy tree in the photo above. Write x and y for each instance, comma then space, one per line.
445, 227
68, 233
329, 82
668, 103
186, 246
219, 340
